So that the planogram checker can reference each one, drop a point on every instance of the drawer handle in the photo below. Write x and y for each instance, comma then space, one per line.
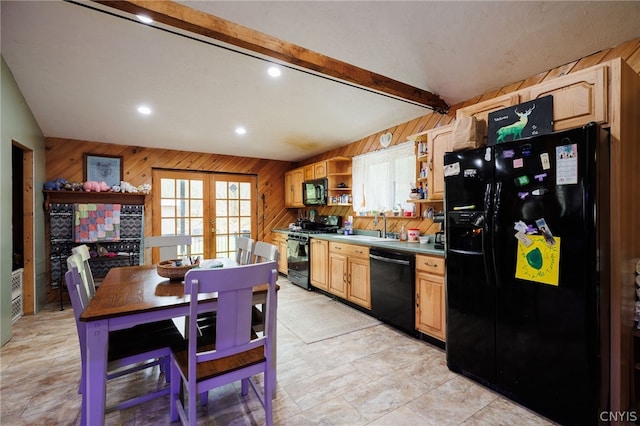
430, 264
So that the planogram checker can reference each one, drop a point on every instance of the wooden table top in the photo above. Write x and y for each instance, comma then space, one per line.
137, 289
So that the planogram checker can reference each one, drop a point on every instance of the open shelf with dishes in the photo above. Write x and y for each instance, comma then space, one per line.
339, 181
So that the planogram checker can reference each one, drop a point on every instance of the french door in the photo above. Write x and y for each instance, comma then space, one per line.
214, 208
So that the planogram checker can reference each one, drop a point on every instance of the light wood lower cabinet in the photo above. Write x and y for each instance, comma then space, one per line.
349, 273
280, 240
320, 263
430, 296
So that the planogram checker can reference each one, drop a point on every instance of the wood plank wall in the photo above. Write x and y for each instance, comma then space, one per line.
629, 51
64, 156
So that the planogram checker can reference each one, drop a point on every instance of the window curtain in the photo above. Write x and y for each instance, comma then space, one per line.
383, 179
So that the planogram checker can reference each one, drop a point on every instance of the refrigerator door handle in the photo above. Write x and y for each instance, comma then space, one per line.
485, 229
494, 222
473, 253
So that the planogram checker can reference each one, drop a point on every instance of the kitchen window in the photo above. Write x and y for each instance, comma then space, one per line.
383, 179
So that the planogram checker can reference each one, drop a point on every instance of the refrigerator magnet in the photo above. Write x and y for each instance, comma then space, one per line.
451, 169
524, 239
540, 177
545, 231
508, 153
544, 159
567, 164
525, 150
517, 163
523, 195
470, 173
520, 226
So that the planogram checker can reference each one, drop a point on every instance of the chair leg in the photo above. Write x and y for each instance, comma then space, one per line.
268, 396
176, 383
245, 386
204, 398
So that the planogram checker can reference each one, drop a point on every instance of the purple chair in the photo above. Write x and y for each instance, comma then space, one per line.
235, 352
129, 350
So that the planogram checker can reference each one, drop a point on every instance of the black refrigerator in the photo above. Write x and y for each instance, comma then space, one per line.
527, 280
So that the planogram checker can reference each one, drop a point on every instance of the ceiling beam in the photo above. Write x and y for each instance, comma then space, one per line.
204, 24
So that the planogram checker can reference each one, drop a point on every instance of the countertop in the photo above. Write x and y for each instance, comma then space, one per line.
405, 246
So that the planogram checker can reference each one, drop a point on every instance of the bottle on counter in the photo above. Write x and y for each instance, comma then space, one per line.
403, 234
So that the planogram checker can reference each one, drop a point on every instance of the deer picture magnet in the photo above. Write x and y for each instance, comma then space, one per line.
524, 120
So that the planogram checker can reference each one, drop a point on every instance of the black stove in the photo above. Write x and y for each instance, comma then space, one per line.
298, 246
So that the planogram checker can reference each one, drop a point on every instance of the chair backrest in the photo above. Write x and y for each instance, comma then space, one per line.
85, 272
78, 302
264, 252
168, 245
244, 248
234, 287
75, 262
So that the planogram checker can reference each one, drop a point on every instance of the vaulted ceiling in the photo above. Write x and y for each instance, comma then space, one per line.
84, 67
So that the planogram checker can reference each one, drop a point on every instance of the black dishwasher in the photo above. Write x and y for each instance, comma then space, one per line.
393, 288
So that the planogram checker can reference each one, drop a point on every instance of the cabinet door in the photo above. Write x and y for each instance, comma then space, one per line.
293, 188
338, 275
319, 263
359, 283
430, 305
283, 262
439, 141
308, 172
320, 169
578, 98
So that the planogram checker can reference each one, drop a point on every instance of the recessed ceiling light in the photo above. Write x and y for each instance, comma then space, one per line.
241, 130
274, 71
144, 19
145, 110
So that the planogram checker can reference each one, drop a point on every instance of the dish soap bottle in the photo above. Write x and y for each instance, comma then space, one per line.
403, 234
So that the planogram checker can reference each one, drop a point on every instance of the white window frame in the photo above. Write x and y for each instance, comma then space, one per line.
382, 180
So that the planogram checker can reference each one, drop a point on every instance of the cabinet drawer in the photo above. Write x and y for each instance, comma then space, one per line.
350, 250
431, 264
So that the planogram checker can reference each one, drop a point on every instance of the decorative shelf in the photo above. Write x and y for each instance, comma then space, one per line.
73, 197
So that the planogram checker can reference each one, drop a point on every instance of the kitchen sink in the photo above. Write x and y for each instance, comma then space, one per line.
365, 238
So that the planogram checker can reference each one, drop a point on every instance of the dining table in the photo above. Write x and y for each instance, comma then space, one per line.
129, 296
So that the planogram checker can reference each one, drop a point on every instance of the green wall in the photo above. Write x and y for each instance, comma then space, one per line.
18, 124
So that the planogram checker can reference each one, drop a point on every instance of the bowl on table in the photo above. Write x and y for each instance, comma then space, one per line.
173, 269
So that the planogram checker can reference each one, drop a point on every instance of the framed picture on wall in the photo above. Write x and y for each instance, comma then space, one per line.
99, 167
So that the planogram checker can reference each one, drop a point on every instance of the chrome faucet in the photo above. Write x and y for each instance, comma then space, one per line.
384, 223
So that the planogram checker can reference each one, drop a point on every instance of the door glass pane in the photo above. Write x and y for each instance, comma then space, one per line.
167, 189
234, 208
197, 189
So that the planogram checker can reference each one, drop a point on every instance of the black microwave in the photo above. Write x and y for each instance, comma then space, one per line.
314, 192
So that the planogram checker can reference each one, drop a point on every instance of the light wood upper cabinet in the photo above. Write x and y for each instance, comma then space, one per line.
315, 171
293, 187
430, 296
439, 141
578, 98
320, 169
320, 263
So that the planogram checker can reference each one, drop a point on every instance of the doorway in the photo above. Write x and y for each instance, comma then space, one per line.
22, 220
214, 208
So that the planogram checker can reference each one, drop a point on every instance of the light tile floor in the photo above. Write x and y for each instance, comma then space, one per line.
375, 376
